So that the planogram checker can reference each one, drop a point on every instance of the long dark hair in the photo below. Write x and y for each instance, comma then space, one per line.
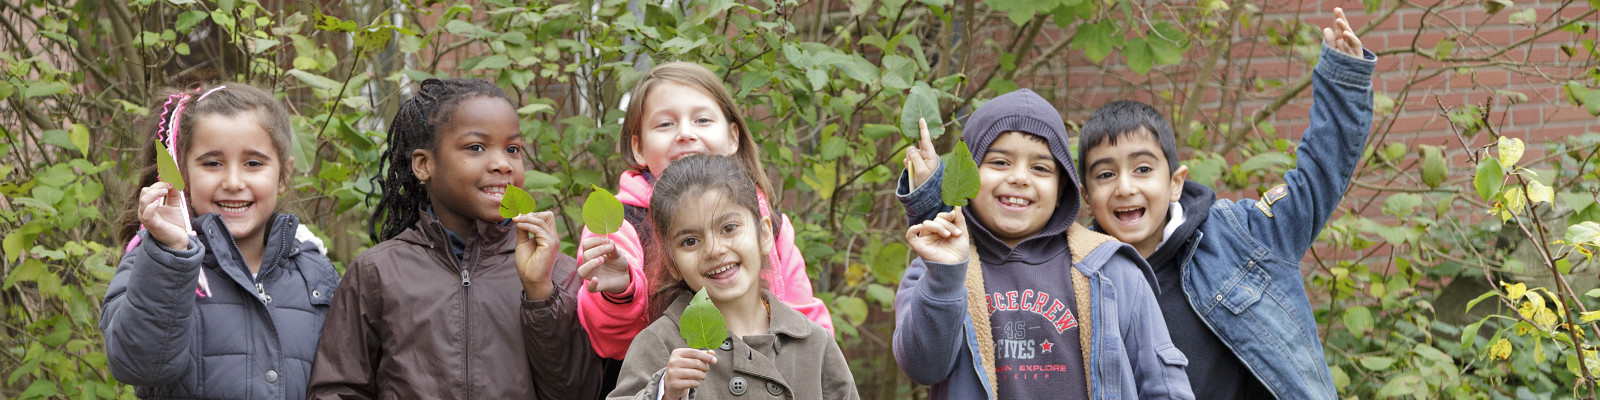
181, 111
692, 175
415, 126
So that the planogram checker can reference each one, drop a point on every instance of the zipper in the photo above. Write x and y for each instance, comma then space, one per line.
466, 310
466, 277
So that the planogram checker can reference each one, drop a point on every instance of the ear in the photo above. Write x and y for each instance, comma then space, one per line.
733, 135
1178, 176
422, 164
638, 151
768, 237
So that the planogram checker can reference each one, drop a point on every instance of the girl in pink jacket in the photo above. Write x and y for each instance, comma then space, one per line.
677, 109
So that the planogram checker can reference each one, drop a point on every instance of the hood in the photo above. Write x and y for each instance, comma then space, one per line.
1024, 111
634, 189
1196, 202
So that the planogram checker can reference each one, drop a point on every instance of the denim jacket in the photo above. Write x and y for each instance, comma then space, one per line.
1242, 273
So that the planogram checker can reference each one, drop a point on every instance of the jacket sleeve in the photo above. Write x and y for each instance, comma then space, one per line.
1288, 219
790, 269
564, 366
348, 354
1158, 365
930, 320
613, 320
837, 380
644, 366
925, 202
147, 313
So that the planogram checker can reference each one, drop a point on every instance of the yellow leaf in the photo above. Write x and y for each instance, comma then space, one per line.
1539, 192
1514, 291
1514, 200
1538, 351
1501, 349
1526, 309
1536, 299
1544, 318
1510, 152
1589, 316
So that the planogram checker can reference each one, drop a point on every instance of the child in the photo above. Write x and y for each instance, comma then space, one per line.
1228, 272
455, 302
712, 236
995, 309
692, 113
222, 302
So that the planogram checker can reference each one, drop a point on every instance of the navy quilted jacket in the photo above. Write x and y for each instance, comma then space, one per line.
252, 337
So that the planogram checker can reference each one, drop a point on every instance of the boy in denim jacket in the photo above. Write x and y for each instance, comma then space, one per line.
1024, 302
1227, 273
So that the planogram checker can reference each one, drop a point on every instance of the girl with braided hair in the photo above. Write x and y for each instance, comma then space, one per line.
455, 301
217, 298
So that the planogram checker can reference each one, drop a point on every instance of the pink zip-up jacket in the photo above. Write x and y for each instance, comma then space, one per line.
612, 326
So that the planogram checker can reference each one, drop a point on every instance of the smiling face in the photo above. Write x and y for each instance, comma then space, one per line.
716, 245
679, 120
1019, 186
479, 152
1129, 189
232, 169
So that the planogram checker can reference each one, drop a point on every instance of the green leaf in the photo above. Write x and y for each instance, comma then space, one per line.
1401, 204
1357, 320
80, 138
40, 389
853, 309
1139, 58
516, 202
1480, 299
167, 168
1434, 166
316, 81
1469, 334
920, 103
1524, 17
890, 263
1265, 160
702, 324
189, 19
960, 176
1488, 179
1586, 232
602, 213
1377, 363
898, 72
45, 89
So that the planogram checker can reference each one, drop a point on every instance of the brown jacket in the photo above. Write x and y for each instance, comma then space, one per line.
410, 321
799, 360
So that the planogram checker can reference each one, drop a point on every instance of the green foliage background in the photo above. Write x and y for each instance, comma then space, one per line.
824, 83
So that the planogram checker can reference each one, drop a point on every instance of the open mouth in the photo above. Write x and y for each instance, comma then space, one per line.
1014, 202
1129, 215
723, 273
495, 191
233, 207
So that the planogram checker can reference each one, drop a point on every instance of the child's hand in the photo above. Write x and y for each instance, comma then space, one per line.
603, 266
942, 240
922, 159
685, 370
1340, 37
162, 216
537, 245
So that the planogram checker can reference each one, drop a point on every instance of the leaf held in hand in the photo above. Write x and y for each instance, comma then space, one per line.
516, 202
920, 103
702, 325
602, 213
167, 168
960, 176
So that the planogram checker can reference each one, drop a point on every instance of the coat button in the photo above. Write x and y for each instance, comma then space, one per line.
1219, 297
774, 389
316, 294
272, 376
736, 386
727, 344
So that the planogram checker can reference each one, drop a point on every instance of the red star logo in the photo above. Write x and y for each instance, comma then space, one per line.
1047, 345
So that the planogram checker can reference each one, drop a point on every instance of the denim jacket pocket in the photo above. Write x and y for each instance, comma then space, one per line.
1245, 289
1171, 356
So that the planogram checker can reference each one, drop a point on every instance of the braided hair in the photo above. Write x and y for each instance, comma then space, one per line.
415, 126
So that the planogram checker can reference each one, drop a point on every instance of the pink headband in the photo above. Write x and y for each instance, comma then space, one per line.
167, 133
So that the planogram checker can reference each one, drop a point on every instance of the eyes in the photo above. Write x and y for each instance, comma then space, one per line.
477, 148
728, 230
701, 121
1042, 168
215, 163
1141, 170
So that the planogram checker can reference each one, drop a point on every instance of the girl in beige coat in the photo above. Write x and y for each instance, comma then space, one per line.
711, 236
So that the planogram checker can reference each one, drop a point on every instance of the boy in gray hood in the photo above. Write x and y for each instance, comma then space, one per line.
1026, 303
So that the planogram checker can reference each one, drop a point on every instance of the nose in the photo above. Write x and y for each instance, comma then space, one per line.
1018, 177
503, 163
233, 178
686, 132
1124, 186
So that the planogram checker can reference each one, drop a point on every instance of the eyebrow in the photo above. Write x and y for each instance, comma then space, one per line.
247, 152
1042, 155
1135, 154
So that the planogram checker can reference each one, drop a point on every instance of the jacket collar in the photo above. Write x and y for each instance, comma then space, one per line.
484, 237
1196, 201
1043, 247
281, 245
784, 320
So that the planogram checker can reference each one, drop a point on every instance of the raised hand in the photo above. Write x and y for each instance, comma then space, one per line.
537, 246
685, 370
163, 217
1340, 37
942, 240
921, 159
603, 266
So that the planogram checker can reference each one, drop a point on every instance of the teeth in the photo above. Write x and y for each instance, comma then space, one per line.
1127, 209
1015, 201
496, 191
233, 207
720, 270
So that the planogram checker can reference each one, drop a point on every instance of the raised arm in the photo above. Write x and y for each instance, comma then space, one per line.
613, 309
931, 306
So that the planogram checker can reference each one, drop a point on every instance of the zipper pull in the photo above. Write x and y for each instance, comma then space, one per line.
261, 293
466, 278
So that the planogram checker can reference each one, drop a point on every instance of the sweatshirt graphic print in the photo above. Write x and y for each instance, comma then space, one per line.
1033, 313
